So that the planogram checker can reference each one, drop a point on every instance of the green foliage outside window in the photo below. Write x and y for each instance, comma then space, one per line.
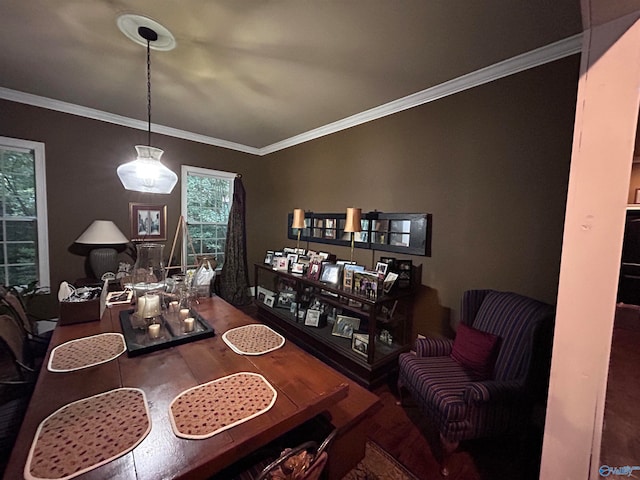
208, 205
18, 221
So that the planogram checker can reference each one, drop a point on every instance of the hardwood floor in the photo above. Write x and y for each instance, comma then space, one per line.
405, 434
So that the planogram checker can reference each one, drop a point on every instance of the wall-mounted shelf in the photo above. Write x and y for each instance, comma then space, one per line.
408, 233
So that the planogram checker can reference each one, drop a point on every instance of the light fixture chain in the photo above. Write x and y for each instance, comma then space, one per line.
149, 92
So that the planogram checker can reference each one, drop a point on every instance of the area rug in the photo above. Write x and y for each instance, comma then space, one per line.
378, 465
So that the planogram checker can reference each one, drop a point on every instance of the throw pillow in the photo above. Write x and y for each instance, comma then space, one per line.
475, 350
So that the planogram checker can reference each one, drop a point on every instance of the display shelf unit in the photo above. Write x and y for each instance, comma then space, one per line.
390, 312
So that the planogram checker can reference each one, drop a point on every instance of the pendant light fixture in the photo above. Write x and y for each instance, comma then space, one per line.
146, 173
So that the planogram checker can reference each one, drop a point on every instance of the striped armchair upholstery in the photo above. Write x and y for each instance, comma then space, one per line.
463, 405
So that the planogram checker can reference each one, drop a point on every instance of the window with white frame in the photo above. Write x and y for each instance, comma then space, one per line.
206, 202
24, 241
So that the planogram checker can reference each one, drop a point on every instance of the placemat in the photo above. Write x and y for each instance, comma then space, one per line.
254, 339
88, 433
86, 352
210, 408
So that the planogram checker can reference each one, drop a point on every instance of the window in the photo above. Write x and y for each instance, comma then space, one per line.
206, 201
24, 242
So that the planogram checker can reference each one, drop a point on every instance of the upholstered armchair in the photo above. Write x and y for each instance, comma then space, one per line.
485, 381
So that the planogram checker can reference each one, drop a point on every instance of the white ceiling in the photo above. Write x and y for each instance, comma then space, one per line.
256, 72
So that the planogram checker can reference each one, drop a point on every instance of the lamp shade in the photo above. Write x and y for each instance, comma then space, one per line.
353, 223
102, 232
146, 173
298, 218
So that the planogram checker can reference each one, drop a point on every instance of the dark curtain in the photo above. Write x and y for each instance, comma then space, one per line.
234, 278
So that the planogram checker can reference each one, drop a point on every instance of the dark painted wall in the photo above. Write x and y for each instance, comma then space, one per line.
491, 164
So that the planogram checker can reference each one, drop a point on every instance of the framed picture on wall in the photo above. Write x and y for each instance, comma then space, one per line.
148, 222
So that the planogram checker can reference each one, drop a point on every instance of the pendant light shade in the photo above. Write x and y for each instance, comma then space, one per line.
146, 173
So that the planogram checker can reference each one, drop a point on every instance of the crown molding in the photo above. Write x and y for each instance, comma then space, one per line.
540, 56
73, 109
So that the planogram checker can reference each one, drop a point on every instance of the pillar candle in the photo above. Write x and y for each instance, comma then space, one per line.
184, 313
140, 309
188, 324
151, 305
154, 330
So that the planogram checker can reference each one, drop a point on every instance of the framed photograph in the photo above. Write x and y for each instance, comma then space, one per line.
297, 268
381, 268
282, 264
331, 273
285, 299
312, 318
313, 272
360, 343
268, 257
345, 326
148, 222
269, 300
389, 280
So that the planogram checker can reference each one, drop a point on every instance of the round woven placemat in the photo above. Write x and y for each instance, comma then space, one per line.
202, 411
86, 352
255, 339
88, 433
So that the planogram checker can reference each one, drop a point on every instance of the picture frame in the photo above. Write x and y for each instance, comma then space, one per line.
268, 257
313, 272
382, 268
269, 300
331, 273
297, 268
345, 326
281, 264
360, 343
148, 222
285, 299
389, 281
312, 318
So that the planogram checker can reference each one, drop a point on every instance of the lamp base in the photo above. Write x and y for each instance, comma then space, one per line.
103, 260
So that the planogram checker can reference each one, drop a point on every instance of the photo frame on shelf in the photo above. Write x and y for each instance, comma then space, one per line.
269, 300
404, 273
382, 268
389, 281
313, 272
331, 273
148, 222
312, 317
281, 264
360, 343
297, 268
345, 326
285, 299
268, 258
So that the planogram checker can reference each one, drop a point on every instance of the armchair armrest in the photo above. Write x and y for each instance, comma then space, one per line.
493, 391
433, 347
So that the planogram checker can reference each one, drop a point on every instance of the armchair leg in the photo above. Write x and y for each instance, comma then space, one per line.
399, 402
448, 447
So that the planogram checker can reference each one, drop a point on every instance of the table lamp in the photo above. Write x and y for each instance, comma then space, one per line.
298, 222
105, 258
353, 224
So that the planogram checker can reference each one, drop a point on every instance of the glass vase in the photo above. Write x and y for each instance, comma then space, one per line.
148, 279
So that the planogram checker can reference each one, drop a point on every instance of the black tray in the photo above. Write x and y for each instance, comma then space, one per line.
138, 341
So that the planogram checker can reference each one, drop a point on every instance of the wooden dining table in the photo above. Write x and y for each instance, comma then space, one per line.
305, 388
